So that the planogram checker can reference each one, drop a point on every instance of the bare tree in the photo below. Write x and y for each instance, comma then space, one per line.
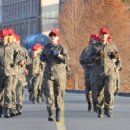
81, 18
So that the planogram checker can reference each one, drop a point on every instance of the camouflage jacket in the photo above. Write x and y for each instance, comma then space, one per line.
55, 63
8, 59
103, 65
87, 67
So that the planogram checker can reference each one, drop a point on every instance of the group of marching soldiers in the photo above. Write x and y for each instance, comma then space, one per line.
17, 71
13, 59
101, 63
43, 72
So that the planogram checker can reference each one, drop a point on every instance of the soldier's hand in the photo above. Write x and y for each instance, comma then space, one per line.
113, 55
55, 53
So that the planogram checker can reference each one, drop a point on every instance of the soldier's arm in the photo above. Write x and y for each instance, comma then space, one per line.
82, 57
114, 53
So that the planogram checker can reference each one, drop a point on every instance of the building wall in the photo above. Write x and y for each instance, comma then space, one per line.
22, 15
0, 11
49, 15
30, 16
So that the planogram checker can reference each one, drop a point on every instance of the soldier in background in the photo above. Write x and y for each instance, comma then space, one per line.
56, 57
90, 89
102, 55
21, 74
36, 81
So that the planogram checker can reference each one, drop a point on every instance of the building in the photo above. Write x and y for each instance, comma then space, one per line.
30, 16
0, 12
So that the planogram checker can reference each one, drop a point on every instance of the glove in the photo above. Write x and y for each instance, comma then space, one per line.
113, 55
55, 52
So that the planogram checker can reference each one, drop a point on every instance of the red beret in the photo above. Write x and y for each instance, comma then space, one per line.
17, 37
11, 31
104, 30
4, 32
54, 31
37, 46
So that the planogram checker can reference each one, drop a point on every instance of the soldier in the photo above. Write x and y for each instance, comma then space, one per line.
102, 55
21, 74
56, 57
4, 40
9, 61
37, 65
90, 93
13, 90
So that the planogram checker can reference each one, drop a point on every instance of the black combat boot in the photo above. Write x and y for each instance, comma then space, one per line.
58, 115
108, 112
19, 109
95, 107
51, 117
12, 112
1, 111
100, 113
7, 113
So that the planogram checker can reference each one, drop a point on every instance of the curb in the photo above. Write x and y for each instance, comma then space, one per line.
83, 92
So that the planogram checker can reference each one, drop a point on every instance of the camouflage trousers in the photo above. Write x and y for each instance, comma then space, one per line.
13, 91
36, 86
20, 89
91, 91
105, 91
8, 84
1, 91
54, 94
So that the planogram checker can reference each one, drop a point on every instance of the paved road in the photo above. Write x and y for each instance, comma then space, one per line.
77, 117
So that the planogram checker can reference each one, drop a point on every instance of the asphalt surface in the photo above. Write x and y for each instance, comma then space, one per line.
76, 116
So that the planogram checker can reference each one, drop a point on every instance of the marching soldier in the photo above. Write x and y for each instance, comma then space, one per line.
9, 62
37, 65
88, 68
102, 55
56, 57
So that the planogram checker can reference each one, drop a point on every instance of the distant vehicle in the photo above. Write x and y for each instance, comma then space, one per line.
35, 38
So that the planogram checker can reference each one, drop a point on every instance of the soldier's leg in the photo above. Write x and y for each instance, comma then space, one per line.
13, 91
8, 96
88, 94
20, 94
110, 83
94, 98
35, 83
39, 97
1, 95
59, 88
100, 96
50, 100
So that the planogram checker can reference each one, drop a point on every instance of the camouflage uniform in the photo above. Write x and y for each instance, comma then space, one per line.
9, 61
2, 78
36, 77
55, 76
87, 77
104, 75
40, 96
21, 76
